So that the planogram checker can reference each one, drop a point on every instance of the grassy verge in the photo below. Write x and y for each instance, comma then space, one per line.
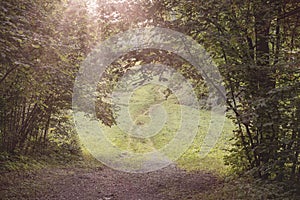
247, 188
24, 163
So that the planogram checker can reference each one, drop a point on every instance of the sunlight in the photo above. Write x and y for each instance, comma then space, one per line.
92, 6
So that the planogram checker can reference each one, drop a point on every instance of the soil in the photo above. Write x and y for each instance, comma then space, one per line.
103, 183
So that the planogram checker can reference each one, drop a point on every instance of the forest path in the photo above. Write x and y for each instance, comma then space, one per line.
103, 183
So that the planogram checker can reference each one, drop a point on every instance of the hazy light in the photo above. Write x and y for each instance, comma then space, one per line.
92, 7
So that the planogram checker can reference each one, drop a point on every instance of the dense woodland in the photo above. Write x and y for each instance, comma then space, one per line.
255, 44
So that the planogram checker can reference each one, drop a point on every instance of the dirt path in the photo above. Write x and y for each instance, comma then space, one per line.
105, 184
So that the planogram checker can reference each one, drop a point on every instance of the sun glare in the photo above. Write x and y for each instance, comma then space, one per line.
92, 6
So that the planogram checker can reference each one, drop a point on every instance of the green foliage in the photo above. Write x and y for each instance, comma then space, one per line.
35, 77
16, 163
255, 44
118, 68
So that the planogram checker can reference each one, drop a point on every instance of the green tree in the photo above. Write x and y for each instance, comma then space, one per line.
36, 74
